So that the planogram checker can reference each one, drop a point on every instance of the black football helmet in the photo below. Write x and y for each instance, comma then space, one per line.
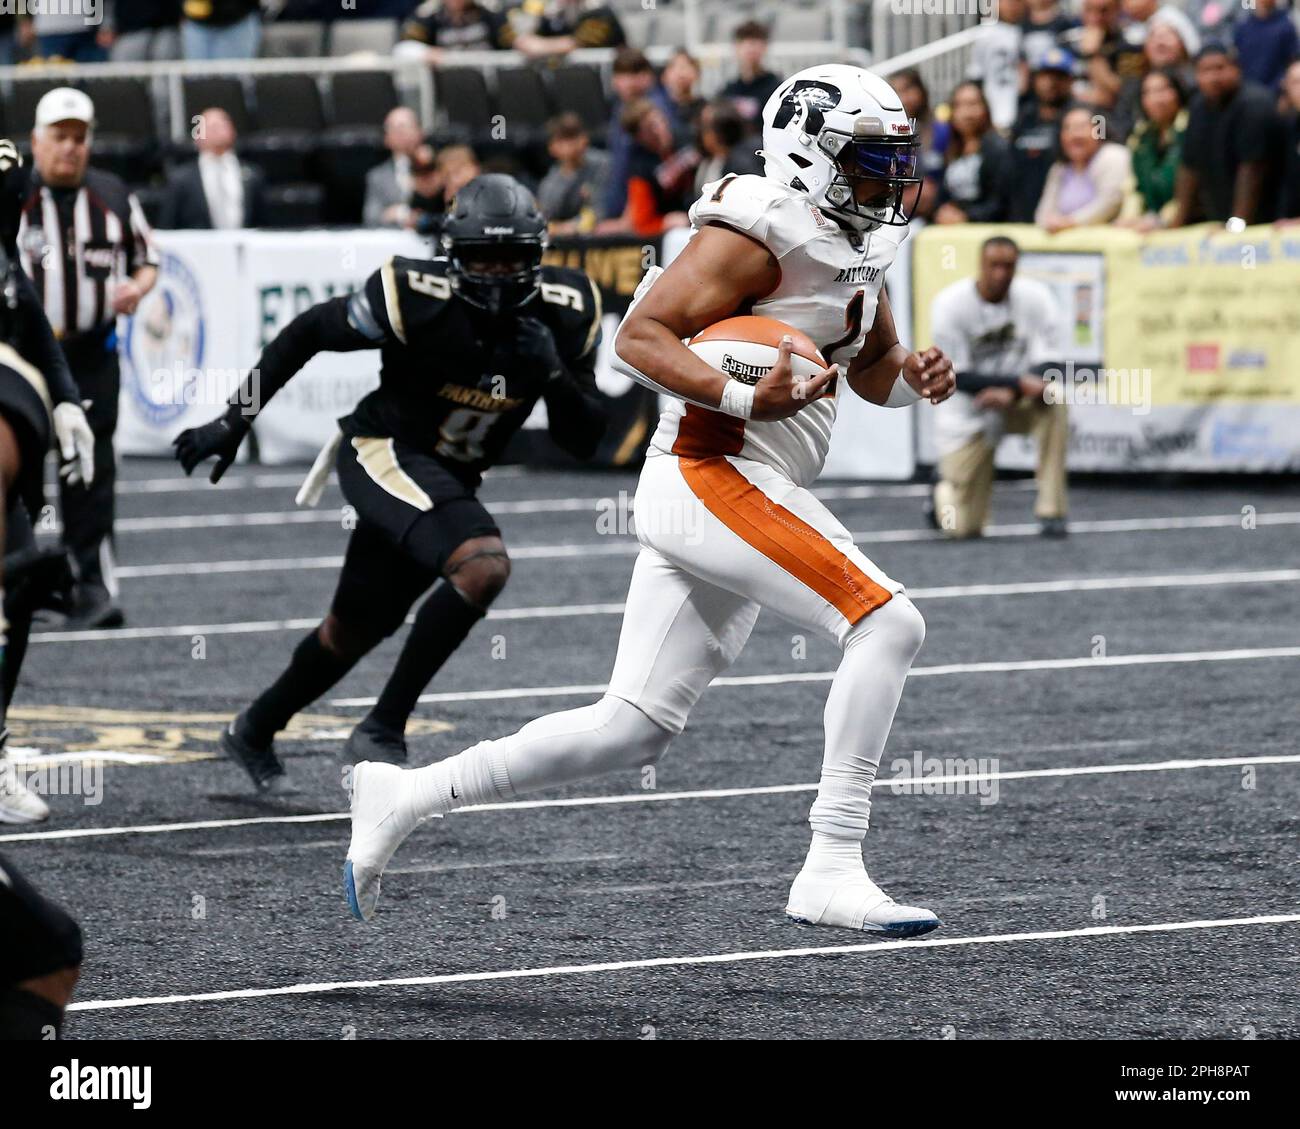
493, 236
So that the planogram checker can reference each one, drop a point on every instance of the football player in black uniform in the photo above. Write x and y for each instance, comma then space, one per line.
469, 341
38, 400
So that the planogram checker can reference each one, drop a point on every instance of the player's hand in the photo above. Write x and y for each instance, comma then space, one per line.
534, 345
76, 444
999, 399
220, 438
930, 374
779, 395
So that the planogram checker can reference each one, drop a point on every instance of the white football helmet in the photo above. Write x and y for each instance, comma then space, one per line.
829, 127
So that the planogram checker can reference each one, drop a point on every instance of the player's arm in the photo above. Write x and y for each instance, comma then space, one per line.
886, 373
338, 325
719, 271
574, 412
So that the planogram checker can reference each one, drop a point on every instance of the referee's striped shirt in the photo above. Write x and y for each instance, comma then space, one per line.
77, 245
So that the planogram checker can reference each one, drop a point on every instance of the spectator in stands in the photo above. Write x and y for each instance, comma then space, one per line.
542, 32
456, 166
680, 80
724, 144
217, 190
1156, 147
632, 80
915, 97
66, 35
996, 62
1108, 59
660, 177
1034, 140
754, 84
1288, 208
146, 31
1044, 28
571, 192
388, 186
8, 38
1266, 43
1232, 150
1087, 185
1003, 335
1171, 40
976, 178
221, 29
439, 26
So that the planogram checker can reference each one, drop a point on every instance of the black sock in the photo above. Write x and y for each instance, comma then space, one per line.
312, 670
440, 627
27, 1016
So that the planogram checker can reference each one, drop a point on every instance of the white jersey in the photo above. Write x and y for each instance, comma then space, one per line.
830, 281
989, 339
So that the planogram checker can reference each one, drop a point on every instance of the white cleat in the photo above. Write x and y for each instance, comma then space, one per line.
854, 902
380, 824
17, 803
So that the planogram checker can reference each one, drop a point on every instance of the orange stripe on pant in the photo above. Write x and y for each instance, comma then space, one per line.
782, 537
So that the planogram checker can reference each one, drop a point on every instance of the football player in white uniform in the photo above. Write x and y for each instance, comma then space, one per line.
806, 244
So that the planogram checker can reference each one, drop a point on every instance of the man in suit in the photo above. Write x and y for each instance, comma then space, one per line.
389, 186
218, 190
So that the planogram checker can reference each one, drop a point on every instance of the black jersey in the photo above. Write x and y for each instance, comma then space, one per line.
450, 384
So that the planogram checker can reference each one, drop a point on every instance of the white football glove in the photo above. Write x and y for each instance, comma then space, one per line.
76, 444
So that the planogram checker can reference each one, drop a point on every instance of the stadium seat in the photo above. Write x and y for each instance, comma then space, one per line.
797, 25
290, 119
523, 102
295, 205
349, 37
463, 105
638, 25
670, 27
361, 98
126, 140
21, 110
224, 92
296, 39
577, 88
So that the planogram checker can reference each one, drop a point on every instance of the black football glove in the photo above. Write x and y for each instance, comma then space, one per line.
221, 438
534, 345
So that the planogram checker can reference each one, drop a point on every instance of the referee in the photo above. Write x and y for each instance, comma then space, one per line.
87, 247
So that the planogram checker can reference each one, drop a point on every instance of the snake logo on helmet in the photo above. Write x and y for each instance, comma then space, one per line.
828, 129
494, 236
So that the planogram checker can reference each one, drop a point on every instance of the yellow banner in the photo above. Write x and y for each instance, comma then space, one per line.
1212, 317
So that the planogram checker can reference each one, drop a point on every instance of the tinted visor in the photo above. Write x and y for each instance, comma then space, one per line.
880, 159
498, 260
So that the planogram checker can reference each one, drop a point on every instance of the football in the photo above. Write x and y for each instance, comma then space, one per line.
746, 348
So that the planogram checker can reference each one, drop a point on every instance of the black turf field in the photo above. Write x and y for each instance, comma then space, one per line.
1154, 569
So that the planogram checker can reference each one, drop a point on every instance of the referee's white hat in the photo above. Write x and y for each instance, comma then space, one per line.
65, 104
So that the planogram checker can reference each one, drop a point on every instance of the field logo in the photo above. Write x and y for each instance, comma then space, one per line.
164, 344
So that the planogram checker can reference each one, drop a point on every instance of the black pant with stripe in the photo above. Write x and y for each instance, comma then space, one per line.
88, 513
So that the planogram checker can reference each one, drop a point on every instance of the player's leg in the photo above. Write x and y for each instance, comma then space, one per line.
459, 541
1049, 424
760, 535
965, 489
678, 634
40, 960
377, 586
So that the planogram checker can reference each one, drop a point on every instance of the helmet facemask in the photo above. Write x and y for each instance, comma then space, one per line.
495, 275
891, 161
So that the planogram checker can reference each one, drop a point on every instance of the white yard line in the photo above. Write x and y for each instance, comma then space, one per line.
892, 783
564, 611
605, 967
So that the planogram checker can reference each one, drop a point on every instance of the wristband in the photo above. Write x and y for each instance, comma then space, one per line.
902, 395
737, 399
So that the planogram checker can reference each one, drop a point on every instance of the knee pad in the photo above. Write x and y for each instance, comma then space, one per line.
633, 738
896, 626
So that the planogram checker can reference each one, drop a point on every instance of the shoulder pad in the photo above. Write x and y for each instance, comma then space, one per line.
573, 308
778, 217
414, 291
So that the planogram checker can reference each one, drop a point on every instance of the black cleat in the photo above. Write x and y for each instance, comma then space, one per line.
370, 741
259, 761
1054, 528
93, 609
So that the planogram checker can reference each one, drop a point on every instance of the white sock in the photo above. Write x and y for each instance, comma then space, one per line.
557, 749
832, 855
859, 713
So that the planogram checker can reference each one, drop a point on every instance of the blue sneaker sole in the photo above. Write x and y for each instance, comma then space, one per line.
900, 929
350, 890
